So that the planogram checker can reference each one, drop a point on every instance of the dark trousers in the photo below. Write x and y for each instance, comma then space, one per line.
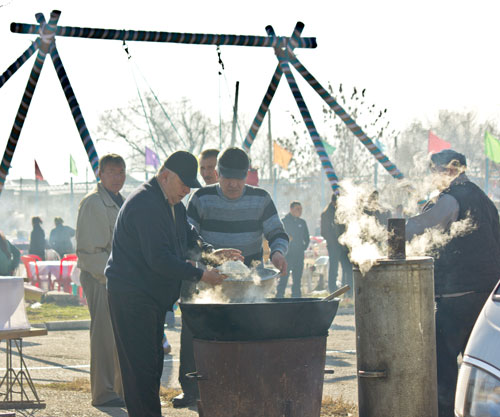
138, 328
187, 363
455, 318
296, 265
339, 254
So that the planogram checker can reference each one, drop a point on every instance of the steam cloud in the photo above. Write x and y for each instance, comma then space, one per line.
366, 238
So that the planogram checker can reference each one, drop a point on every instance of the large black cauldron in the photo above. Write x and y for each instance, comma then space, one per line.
276, 318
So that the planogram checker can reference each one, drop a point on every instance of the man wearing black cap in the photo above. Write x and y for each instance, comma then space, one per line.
148, 262
235, 215
466, 269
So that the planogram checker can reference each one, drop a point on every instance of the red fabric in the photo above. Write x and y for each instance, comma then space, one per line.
436, 144
38, 173
253, 177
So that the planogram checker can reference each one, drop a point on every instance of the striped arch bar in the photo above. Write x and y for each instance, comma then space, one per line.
46, 36
75, 109
349, 122
171, 37
9, 72
266, 101
306, 116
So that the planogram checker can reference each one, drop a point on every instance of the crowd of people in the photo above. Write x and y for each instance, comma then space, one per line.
139, 255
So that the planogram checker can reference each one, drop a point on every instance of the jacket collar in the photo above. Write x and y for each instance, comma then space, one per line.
106, 198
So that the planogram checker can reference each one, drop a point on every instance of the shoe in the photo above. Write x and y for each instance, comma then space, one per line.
167, 349
184, 400
117, 402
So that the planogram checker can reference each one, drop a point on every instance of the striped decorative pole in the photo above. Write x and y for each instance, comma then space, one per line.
170, 37
306, 116
349, 122
47, 35
266, 101
19, 61
75, 109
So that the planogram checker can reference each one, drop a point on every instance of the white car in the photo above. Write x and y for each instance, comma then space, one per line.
478, 386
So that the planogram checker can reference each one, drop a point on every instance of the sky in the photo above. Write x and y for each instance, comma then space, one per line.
413, 58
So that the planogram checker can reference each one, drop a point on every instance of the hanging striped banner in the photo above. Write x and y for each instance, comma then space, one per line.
75, 109
349, 122
170, 37
46, 36
19, 61
306, 116
266, 101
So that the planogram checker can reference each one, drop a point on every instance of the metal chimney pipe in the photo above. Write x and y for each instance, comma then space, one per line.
396, 240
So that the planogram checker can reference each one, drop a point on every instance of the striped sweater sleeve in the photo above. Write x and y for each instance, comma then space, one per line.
193, 212
274, 231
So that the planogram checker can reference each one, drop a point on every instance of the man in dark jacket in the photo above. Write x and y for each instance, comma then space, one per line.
296, 229
331, 230
151, 255
466, 269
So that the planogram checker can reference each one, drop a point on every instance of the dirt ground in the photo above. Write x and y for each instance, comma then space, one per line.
63, 356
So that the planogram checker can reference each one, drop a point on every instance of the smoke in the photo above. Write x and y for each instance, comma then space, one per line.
433, 239
364, 235
209, 295
250, 289
362, 215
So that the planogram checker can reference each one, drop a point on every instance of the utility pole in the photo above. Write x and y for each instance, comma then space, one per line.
235, 114
270, 140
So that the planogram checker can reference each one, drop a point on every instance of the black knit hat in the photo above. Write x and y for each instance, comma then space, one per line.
233, 163
185, 166
446, 156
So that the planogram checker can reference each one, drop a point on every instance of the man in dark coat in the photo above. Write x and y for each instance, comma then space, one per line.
150, 257
298, 233
466, 269
337, 253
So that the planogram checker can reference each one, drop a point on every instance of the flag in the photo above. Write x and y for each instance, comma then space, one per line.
491, 147
72, 166
436, 144
152, 158
38, 173
281, 156
329, 149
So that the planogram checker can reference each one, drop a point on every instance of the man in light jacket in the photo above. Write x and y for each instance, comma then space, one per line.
94, 232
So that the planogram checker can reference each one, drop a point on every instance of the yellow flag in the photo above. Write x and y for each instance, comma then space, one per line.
281, 156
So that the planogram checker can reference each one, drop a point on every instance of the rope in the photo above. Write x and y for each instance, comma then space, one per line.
125, 48
161, 106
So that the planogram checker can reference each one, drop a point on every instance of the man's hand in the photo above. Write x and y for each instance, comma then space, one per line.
279, 262
228, 254
213, 277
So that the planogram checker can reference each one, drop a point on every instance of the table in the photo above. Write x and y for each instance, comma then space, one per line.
52, 267
11, 378
48, 271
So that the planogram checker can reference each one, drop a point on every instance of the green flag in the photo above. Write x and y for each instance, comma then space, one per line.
72, 166
491, 147
329, 148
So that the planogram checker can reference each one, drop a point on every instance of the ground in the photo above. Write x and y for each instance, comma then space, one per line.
59, 366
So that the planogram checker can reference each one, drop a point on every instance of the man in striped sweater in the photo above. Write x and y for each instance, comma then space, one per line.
230, 214
233, 214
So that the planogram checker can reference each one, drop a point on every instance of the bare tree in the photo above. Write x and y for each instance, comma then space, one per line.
164, 128
350, 159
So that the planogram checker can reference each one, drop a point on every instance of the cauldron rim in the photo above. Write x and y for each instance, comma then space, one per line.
271, 301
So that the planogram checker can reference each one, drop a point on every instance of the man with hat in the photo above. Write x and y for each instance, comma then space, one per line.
231, 214
148, 262
466, 269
